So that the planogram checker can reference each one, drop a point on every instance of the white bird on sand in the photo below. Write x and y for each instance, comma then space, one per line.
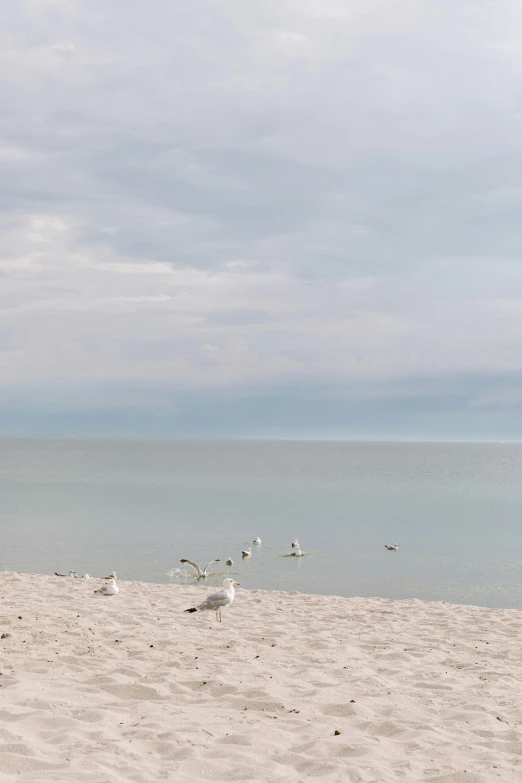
112, 575
111, 588
295, 544
200, 574
256, 540
230, 562
296, 552
72, 574
246, 552
217, 601
392, 547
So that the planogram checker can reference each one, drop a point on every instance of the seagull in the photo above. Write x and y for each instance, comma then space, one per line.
217, 601
392, 547
112, 575
111, 588
296, 553
230, 562
246, 552
256, 540
199, 573
295, 544
72, 574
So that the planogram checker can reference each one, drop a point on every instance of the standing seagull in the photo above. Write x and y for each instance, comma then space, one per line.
200, 574
112, 575
217, 601
392, 547
246, 552
111, 588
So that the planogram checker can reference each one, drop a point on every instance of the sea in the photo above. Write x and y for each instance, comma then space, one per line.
138, 507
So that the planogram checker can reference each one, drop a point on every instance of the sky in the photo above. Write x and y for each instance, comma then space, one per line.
273, 218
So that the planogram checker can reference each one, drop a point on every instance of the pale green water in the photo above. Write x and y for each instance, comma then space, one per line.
138, 507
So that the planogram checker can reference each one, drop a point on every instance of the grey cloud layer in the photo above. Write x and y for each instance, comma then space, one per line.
217, 193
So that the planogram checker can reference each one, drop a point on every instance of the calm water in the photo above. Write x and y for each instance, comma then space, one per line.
138, 507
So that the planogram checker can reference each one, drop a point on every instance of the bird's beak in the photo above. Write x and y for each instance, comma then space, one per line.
237, 583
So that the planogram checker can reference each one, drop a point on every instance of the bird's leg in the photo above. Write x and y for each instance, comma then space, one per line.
217, 615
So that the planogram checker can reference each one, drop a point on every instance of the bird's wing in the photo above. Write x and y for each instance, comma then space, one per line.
209, 564
195, 566
216, 600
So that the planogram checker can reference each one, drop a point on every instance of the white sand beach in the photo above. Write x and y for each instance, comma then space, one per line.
129, 688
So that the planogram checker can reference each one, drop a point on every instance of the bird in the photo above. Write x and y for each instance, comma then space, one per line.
112, 575
256, 540
217, 601
246, 552
230, 562
392, 547
296, 552
295, 544
72, 574
111, 588
200, 574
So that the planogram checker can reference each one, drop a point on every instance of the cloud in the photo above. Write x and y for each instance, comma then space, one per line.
249, 195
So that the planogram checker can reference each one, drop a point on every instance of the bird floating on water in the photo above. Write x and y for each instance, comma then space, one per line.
256, 540
295, 544
296, 552
217, 601
230, 562
246, 552
200, 573
111, 588
392, 547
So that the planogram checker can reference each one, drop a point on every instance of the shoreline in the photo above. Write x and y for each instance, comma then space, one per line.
214, 583
129, 687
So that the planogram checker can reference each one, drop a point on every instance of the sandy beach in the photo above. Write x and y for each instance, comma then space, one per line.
290, 687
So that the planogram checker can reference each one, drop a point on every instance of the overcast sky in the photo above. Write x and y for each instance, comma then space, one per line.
264, 217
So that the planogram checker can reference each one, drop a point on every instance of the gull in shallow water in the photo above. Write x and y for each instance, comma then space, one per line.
246, 552
217, 601
392, 547
111, 588
295, 544
200, 574
230, 562
296, 553
256, 540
